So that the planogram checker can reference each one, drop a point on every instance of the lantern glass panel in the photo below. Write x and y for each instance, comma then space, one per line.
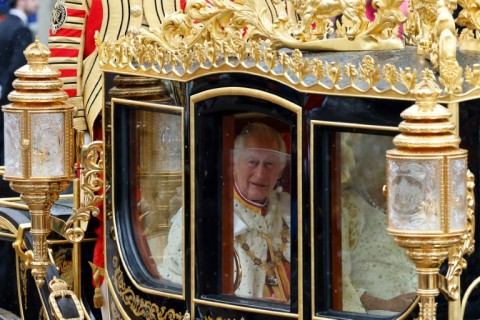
457, 194
13, 136
48, 142
415, 194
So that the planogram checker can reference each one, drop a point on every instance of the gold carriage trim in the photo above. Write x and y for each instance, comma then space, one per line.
353, 73
139, 306
227, 36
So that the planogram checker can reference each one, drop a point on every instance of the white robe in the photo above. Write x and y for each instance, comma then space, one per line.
248, 224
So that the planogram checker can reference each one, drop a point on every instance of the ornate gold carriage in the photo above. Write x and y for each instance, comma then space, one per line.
170, 87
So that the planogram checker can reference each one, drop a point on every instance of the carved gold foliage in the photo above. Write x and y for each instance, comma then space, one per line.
184, 57
150, 56
408, 77
270, 57
342, 26
351, 72
451, 76
92, 160
369, 71
469, 16
231, 24
468, 35
472, 75
298, 66
390, 74
388, 17
334, 72
427, 10
411, 26
139, 306
317, 69
434, 55
235, 46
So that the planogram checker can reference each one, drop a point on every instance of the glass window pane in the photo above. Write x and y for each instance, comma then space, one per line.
47, 144
377, 276
157, 192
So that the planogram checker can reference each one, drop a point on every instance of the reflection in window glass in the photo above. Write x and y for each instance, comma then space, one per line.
261, 221
377, 276
159, 178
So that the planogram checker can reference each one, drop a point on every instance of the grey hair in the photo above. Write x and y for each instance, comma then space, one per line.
262, 132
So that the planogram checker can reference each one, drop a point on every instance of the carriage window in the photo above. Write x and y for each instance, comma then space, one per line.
377, 276
245, 224
149, 161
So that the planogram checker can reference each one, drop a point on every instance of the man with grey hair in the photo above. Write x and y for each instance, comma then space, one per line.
261, 214
261, 219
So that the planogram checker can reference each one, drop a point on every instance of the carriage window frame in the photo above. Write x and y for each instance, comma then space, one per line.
323, 278
130, 256
233, 302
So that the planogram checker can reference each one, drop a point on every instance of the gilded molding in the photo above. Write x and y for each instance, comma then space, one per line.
139, 306
142, 53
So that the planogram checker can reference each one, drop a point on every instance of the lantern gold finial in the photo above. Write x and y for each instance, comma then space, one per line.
426, 124
37, 53
37, 83
427, 91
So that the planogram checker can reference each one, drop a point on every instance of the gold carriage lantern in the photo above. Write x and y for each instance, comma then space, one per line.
427, 189
39, 146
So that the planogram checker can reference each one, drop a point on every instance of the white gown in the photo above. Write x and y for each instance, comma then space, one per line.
371, 260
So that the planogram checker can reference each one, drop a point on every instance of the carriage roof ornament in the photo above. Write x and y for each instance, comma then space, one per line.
221, 35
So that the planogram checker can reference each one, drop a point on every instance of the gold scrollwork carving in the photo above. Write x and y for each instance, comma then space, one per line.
226, 26
139, 306
469, 16
91, 158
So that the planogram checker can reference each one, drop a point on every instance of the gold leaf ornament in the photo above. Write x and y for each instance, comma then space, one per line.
472, 75
451, 76
390, 74
408, 77
369, 71
351, 72
334, 72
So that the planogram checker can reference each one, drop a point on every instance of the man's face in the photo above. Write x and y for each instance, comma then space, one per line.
258, 169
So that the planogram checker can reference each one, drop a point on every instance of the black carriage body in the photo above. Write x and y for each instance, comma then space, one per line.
212, 109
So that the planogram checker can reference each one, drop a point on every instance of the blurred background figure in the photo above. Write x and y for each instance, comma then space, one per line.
15, 36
